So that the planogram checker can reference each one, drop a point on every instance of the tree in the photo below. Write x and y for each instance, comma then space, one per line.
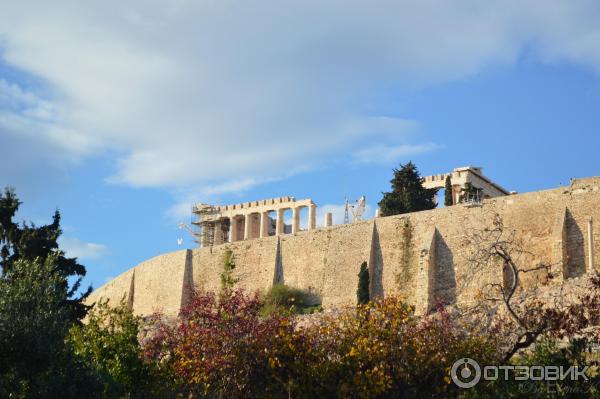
408, 193
34, 322
29, 242
108, 344
448, 200
362, 293
527, 317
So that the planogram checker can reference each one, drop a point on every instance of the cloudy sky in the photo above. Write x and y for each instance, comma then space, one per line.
122, 114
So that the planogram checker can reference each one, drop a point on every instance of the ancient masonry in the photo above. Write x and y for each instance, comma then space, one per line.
421, 256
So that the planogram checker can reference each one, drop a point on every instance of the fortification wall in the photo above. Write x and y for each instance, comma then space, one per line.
421, 256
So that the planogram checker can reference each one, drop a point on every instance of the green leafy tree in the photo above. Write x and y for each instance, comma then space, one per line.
108, 344
29, 242
362, 293
34, 322
448, 201
408, 193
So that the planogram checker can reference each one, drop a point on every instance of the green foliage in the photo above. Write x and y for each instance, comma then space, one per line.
362, 293
108, 344
34, 321
283, 299
228, 282
406, 271
408, 193
448, 192
29, 242
547, 352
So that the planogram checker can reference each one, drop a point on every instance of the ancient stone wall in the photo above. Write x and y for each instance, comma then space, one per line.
421, 256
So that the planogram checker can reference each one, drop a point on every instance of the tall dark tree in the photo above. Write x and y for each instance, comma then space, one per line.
408, 193
362, 293
27, 241
35, 361
448, 201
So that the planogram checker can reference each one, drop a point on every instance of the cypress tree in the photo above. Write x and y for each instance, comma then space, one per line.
362, 293
448, 192
408, 193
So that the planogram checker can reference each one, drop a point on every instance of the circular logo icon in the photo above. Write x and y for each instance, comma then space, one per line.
465, 373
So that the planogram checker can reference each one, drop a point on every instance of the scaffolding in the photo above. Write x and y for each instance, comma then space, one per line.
208, 216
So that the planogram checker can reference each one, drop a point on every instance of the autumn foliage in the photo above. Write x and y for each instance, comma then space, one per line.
222, 346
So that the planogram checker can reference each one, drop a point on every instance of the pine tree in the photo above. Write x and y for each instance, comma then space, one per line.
448, 192
408, 193
362, 293
29, 242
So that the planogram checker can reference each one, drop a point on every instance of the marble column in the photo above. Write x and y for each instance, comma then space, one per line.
264, 224
296, 219
247, 226
233, 229
328, 219
312, 217
279, 227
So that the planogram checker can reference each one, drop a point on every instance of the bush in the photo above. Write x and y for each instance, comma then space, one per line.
288, 300
545, 353
222, 347
382, 350
108, 344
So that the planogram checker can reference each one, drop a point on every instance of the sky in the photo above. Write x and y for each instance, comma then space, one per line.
124, 114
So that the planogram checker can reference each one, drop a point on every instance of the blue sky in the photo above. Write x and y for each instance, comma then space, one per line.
122, 115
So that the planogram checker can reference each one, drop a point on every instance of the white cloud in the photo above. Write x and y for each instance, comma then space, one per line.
76, 248
224, 95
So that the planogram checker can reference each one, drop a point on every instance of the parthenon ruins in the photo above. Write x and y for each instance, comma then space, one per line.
230, 223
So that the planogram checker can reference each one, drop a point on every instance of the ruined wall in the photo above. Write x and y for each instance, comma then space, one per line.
421, 256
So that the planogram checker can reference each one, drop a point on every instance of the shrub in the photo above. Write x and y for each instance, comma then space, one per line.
108, 344
221, 346
382, 350
547, 352
288, 300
